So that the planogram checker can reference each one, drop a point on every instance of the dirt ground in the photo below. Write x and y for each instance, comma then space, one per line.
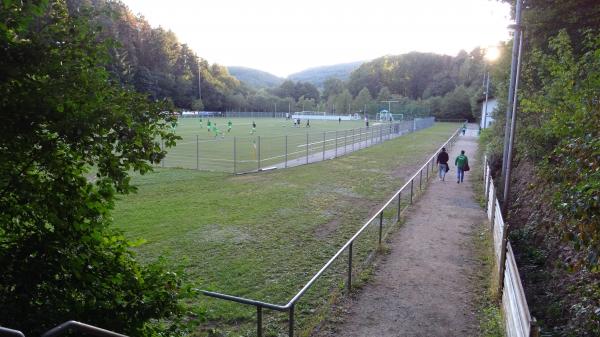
423, 287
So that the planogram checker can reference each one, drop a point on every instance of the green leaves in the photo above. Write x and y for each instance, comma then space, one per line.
62, 115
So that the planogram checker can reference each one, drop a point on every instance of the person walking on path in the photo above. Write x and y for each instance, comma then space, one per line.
462, 163
442, 161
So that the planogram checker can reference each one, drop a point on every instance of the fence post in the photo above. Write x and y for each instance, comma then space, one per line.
286, 150
324, 145
380, 226
291, 323
493, 220
258, 153
345, 140
502, 262
307, 147
411, 190
421, 180
349, 285
336, 137
381, 134
197, 153
259, 321
352, 140
234, 155
427, 171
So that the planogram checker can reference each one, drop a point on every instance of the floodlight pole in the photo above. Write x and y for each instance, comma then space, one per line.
511, 90
485, 109
513, 125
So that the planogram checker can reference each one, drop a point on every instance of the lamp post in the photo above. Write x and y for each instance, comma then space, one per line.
511, 108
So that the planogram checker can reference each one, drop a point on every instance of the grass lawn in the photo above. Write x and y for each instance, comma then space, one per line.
200, 149
264, 235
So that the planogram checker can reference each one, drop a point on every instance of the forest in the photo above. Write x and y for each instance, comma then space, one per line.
153, 61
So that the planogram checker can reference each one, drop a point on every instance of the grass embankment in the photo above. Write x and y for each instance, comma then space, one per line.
486, 285
263, 236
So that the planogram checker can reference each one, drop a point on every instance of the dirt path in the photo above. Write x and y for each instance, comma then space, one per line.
423, 287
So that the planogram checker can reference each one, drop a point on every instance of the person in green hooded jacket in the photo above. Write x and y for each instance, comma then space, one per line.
461, 162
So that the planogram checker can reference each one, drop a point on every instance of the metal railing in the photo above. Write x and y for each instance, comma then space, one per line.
518, 321
424, 172
70, 326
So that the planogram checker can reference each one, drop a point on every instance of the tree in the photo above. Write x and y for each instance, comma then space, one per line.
363, 99
457, 104
331, 87
343, 102
384, 94
70, 135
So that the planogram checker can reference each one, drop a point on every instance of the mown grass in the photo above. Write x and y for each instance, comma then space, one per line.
264, 235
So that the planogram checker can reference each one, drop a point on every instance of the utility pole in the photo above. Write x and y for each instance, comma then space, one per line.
511, 90
513, 125
485, 109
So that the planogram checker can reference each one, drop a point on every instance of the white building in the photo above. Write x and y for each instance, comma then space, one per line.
489, 119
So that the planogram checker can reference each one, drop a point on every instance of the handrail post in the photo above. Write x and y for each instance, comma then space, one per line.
291, 322
421, 180
307, 147
259, 331
427, 171
411, 190
286, 150
399, 206
380, 226
336, 144
258, 153
324, 145
234, 154
349, 285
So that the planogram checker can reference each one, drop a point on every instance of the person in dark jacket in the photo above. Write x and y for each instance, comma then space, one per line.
442, 162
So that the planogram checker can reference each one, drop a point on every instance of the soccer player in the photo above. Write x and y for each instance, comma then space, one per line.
200, 123
215, 130
253, 127
208, 125
229, 124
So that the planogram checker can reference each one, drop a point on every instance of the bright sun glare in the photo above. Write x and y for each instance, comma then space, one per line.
492, 53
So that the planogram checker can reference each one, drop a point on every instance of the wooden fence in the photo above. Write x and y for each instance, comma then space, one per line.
517, 319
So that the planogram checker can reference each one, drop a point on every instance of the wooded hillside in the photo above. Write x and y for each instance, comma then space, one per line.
555, 209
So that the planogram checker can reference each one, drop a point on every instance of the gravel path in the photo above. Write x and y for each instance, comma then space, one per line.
423, 287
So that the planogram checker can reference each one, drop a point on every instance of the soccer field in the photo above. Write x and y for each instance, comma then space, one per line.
274, 141
263, 236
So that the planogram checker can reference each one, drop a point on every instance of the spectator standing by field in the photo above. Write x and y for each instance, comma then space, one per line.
442, 161
462, 164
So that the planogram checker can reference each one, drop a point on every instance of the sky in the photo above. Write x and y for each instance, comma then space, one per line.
283, 37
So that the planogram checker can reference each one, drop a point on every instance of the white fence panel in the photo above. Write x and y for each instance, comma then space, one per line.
517, 317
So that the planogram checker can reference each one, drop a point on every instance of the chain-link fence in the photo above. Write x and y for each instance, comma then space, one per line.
255, 153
